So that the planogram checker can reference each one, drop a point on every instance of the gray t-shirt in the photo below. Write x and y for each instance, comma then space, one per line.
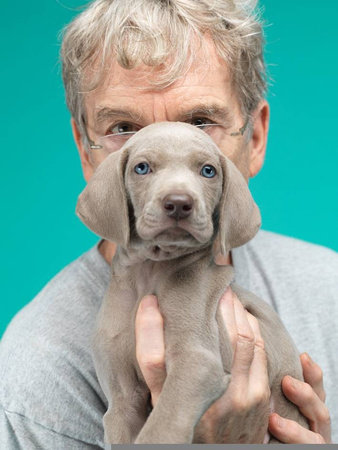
49, 394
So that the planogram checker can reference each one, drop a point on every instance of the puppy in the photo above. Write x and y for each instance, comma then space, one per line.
165, 198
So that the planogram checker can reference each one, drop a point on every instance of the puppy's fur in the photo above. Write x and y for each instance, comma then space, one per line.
171, 256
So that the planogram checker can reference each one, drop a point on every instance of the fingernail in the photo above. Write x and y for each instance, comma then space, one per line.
308, 359
292, 382
148, 302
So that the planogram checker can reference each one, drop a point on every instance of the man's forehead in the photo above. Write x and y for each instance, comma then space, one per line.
146, 77
120, 85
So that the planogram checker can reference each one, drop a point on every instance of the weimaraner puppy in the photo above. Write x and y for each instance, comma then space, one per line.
164, 198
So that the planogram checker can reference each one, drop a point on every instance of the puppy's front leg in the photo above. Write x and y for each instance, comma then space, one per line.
195, 379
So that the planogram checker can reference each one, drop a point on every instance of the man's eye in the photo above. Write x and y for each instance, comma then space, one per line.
123, 127
201, 122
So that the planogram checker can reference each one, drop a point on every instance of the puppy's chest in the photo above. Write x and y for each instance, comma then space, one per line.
176, 278
146, 279
139, 279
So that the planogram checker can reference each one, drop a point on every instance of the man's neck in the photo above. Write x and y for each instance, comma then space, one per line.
108, 249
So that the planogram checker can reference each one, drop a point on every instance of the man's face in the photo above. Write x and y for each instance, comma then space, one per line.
122, 104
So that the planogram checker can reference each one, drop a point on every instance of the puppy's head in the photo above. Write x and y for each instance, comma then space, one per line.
171, 190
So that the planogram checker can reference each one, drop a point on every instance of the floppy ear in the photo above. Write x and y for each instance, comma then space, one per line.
102, 205
239, 216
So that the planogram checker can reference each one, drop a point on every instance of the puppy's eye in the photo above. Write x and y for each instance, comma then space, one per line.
142, 168
208, 171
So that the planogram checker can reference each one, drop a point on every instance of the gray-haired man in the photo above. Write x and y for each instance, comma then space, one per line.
126, 64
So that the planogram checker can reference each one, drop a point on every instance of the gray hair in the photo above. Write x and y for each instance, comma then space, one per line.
161, 34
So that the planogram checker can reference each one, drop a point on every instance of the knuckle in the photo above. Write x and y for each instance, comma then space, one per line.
307, 392
245, 350
261, 396
239, 403
318, 373
260, 344
318, 438
246, 340
324, 416
261, 353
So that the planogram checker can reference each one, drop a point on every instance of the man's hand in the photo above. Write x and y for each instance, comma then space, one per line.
244, 403
309, 396
241, 414
150, 352
244, 406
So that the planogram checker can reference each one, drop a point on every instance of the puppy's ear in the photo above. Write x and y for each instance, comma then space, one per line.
239, 216
102, 205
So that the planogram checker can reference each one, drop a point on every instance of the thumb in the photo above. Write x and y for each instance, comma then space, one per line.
150, 352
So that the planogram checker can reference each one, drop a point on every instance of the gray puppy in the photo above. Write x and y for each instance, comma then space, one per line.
164, 198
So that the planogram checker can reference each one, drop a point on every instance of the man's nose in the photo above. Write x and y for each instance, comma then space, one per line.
178, 206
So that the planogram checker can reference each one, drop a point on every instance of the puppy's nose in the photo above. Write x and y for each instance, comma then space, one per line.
178, 206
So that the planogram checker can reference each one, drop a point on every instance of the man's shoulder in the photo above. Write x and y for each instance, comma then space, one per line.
288, 271
280, 249
45, 360
78, 286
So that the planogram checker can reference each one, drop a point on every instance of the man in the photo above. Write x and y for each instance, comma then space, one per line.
126, 64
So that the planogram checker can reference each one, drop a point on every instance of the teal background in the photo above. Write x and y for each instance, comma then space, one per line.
41, 173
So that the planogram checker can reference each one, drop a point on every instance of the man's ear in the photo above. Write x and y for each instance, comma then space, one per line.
102, 205
258, 141
239, 216
86, 163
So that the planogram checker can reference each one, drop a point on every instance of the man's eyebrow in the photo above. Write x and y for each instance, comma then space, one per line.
102, 114
221, 113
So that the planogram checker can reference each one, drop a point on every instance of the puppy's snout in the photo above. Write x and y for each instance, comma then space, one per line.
178, 206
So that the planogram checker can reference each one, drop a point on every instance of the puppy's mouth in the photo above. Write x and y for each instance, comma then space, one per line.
173, 234
179, 233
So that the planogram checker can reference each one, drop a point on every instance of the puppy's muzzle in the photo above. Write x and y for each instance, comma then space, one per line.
178, 206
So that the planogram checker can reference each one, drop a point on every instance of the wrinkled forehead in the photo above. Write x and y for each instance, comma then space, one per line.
173, 138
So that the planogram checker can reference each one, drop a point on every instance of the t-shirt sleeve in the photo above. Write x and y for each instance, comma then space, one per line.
19, 432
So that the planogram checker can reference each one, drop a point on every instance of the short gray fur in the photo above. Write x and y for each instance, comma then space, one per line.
185, 279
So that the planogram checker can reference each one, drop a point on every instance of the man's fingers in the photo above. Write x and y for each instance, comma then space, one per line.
290, 432
310, 405
228, 314
245, 344
150, 351
259, 366
313, 375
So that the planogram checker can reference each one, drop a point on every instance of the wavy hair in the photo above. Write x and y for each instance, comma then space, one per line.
162, 34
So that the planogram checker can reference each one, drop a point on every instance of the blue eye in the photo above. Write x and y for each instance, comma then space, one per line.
208, 171
142, 168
